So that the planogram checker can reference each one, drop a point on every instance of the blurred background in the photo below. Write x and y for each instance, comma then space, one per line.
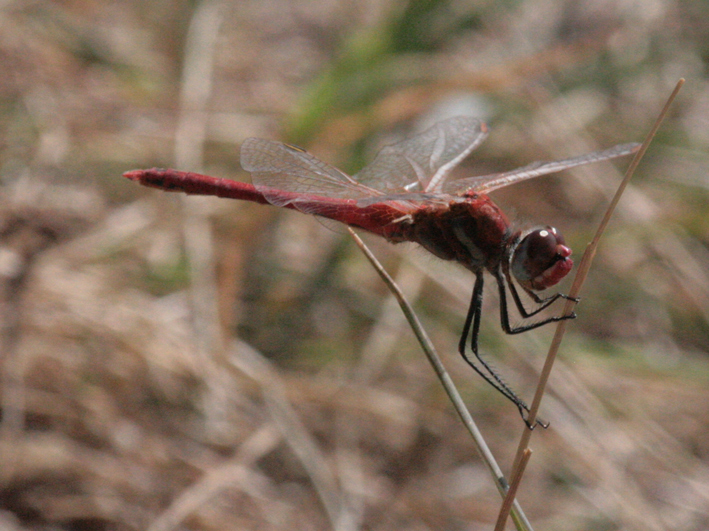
173, 362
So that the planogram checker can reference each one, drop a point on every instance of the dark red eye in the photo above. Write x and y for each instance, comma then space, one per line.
541, 259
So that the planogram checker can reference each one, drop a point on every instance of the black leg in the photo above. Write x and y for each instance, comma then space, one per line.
472, 328
543, 303
481, 366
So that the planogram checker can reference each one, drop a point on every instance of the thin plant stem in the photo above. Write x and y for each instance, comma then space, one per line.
512, 491
518, 516
579, 280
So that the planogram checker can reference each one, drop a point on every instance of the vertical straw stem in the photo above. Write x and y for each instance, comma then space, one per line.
579, 280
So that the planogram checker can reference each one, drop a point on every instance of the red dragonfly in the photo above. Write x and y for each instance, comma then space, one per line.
405, 195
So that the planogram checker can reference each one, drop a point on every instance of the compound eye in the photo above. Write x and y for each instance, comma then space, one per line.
541, 259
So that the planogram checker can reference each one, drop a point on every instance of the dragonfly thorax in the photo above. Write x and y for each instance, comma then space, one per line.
540, 259
470, 231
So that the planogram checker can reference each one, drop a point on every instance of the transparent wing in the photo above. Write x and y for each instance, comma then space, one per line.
487, 183
422, 163
289, 168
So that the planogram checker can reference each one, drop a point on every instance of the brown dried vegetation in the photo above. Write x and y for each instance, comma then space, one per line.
190, 363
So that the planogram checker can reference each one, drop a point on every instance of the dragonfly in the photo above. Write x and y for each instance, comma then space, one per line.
405, 195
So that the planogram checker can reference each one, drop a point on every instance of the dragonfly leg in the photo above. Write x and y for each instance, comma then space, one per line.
483, 368
542, 304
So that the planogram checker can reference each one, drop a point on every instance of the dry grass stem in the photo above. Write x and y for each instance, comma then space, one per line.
481, 446
579, 280
237, 472
509, 499
294, 432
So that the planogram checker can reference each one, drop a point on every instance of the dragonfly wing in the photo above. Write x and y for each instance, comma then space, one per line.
422, 163
277, 166
487, 183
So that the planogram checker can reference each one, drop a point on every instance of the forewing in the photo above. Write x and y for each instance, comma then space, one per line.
422, 163
279, 166
487, 183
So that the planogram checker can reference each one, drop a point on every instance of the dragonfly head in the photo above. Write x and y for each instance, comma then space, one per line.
541, 258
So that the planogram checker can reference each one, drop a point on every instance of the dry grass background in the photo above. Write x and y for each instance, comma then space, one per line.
195, 363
